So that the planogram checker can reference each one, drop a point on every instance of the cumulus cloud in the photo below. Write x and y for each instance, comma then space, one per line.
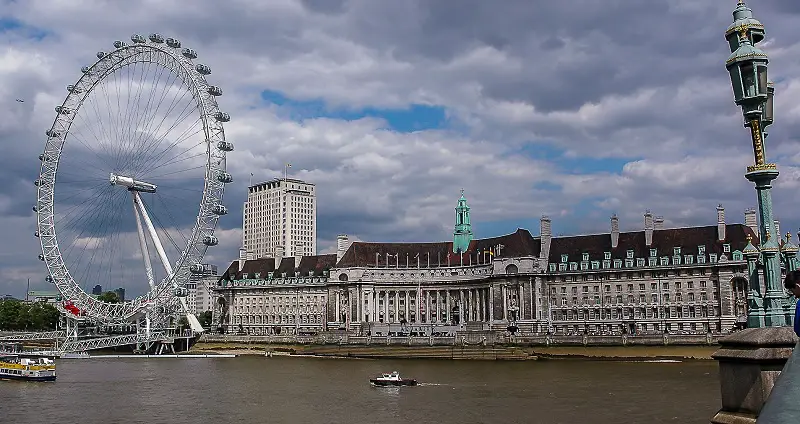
549, 108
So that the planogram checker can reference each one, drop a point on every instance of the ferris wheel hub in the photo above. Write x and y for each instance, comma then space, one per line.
131, 183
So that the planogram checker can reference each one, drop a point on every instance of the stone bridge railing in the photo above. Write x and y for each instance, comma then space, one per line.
783, 404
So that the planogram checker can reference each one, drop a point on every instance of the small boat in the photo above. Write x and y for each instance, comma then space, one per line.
392, 379
17, 367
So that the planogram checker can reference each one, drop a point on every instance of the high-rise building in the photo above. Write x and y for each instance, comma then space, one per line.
280, 219
199, 298
120, 294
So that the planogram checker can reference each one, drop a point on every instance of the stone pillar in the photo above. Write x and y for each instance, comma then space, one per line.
750, 362
448, 308
407, 301
396, 305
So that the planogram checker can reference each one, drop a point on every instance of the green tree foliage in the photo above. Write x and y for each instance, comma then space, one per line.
205, 319
108, 297
16, 315
183, 323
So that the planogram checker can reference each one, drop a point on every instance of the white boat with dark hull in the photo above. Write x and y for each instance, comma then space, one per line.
392, 379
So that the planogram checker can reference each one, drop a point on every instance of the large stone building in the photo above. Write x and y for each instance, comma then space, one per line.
280, 219
655, 280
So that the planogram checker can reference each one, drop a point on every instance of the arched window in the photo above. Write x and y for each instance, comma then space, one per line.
512, 269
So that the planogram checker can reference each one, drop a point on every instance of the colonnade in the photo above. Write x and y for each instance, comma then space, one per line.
437, 306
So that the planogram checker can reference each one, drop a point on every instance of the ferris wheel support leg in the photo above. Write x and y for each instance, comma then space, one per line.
193, 322
143, 243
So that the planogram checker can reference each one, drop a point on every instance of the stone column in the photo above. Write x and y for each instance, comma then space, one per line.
386, 306
448, 307
491, 303
338, 307
407, 301
750, 362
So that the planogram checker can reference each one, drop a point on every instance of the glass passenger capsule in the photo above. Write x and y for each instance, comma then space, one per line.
210, 240
189, 53
136, 38
222, 116
156, 38
203, 69
173, 43
225, 146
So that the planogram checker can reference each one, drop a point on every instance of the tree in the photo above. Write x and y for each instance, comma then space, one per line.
16, 315
108, 297
183, 323
205, 318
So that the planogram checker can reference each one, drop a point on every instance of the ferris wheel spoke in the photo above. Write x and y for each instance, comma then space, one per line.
77, 135
181, 138
157, 160
67, 218
174, 222
159, 138
76, 249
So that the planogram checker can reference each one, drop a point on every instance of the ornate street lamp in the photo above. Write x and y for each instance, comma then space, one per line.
747, 66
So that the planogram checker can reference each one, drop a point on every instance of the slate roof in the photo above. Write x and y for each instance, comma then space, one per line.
263, 266
361, 254
688, 239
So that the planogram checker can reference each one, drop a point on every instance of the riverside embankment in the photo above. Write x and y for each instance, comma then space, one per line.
478, 352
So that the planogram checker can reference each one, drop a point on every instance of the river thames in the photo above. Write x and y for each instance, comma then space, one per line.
318, 390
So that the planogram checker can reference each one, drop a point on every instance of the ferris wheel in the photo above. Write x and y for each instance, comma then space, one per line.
131, 181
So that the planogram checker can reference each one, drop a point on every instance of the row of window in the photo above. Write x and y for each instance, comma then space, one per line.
642, 286
676, 251
640, 262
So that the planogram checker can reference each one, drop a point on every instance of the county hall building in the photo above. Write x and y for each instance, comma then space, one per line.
655, 280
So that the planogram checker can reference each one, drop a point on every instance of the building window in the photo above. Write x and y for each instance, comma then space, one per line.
607, 255
573, 266
701, 259
689, 259
712, 257
701, 250
564, 258
652, 261
617, 263
639, 262
628, 263
737, 256
552, 267
676, 260
585, 256
726, 248
584, 265
595, 264
676, 251
653, 253
629, 254
562, 267
606, 264
664, 260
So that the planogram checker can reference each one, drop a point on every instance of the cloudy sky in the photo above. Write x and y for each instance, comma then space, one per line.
575, 109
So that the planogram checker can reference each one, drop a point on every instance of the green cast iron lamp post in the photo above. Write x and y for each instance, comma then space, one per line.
753, 92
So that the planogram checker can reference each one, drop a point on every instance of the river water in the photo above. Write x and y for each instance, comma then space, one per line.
319, 390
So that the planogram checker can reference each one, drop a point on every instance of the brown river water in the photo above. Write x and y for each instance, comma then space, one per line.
257, 389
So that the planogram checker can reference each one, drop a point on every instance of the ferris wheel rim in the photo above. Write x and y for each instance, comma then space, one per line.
180, 63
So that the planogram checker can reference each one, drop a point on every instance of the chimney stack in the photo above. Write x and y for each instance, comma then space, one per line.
342, 245
777, 230
242, 257
720, 223
658, 223
545, 235
614, 231
751, 221
648, 228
